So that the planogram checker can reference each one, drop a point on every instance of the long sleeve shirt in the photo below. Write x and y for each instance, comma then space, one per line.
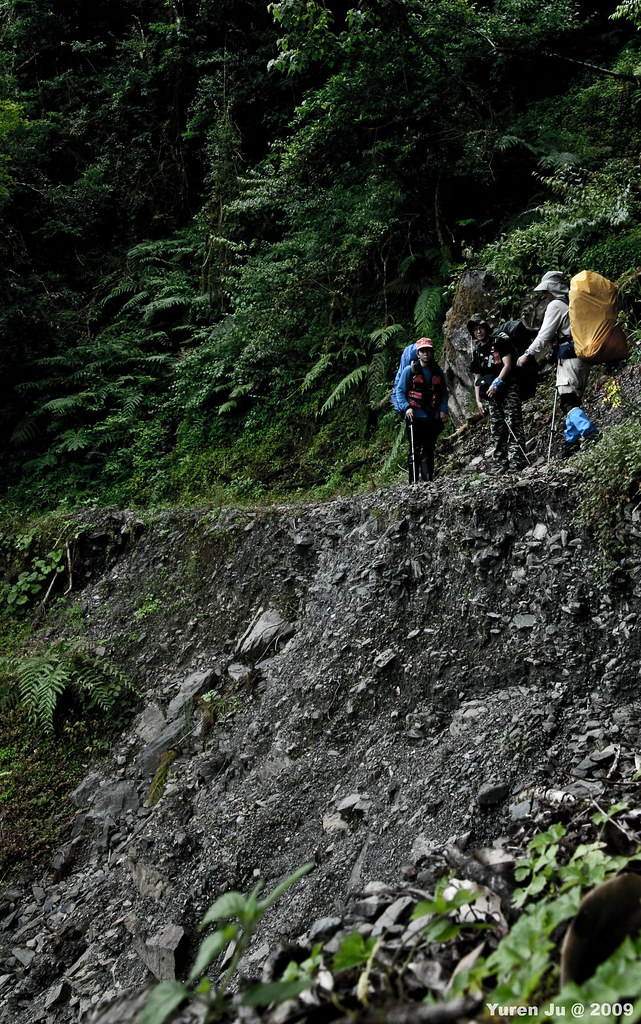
556, 321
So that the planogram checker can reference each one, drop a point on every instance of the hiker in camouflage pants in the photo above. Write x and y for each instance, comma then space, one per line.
506, 428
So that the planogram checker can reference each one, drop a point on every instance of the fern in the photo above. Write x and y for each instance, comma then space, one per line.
382, 335
353, 378
135, 301
124, 288
428, 311
162, 304
239, 391
65, 404
317, 370
396, 447
377, 378
227, 407
505, 142
41, 679
25, 432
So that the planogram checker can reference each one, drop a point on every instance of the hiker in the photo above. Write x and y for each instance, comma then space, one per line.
420, 396
555, 334
493, 364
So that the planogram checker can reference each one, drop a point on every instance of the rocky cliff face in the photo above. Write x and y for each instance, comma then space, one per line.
384, 675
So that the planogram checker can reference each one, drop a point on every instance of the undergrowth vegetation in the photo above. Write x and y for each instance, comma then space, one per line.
609, 483
60, 711
508, 967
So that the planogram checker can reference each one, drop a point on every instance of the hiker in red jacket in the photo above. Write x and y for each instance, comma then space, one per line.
420, 397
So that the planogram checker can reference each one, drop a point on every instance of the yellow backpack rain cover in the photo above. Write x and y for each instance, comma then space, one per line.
593, 319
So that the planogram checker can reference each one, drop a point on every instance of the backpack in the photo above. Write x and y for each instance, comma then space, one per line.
408, 354
527, 377
598, 338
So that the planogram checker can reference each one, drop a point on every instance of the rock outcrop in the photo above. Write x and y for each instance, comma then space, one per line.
473, 295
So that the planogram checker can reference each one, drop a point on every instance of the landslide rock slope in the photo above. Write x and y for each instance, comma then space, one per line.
387, 673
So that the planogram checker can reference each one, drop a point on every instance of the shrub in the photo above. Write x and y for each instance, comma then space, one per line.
610, 475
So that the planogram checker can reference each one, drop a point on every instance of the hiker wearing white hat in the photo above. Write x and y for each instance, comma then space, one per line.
555, 335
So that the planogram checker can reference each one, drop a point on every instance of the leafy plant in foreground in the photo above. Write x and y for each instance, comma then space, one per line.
522, 967
247, 911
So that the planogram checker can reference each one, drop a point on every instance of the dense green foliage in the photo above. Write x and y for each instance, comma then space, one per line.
222, 221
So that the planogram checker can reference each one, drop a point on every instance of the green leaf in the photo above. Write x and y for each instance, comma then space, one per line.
280, 889
275, 992
231, 904
210, 947
354, 950
162, 1001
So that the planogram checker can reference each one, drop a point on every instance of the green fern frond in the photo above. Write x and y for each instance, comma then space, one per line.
126, 288
396, 447
319, 367
240, 390
46, 461
377, 377
227, 407
428, 311
159, 252
135, 301
131, 403
160, 305
41, 680
65, 404
505, 142
382, 335
158, 358
353, 378
25, 432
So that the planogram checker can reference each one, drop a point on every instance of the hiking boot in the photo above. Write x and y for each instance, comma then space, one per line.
569, 448
596, 435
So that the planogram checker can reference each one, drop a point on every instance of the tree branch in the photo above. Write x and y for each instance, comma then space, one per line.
634, 79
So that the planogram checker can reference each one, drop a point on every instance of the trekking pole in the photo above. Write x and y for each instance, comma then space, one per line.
556, 395
412, 452
510, 431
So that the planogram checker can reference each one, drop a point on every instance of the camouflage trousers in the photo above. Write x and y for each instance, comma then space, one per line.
506, 428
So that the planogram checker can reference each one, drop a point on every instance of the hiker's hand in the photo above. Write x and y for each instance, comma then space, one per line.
409, 414
481, 408
444, 417
522, 360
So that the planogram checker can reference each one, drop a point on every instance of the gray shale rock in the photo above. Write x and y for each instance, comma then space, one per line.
369, 771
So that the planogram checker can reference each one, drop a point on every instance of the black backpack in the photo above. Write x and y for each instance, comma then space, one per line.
519, 338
